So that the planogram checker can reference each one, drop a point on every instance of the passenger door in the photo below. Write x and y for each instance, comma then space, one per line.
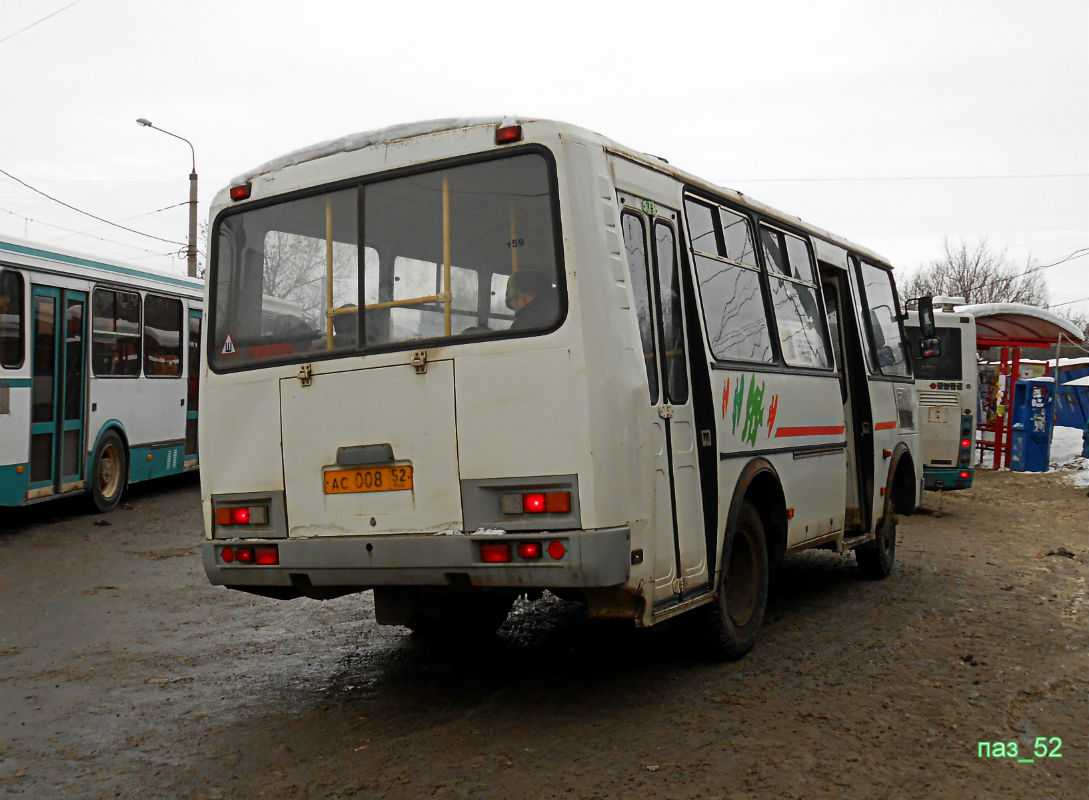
651, 241
57, 390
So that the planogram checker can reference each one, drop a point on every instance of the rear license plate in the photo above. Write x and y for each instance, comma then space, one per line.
368, 479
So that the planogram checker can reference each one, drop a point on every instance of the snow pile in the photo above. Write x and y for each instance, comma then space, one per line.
1066, 447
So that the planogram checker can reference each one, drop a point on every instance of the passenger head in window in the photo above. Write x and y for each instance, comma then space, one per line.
533, 298
345, 326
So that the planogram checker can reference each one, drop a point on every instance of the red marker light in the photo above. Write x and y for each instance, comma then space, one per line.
933, 386
227, 554
241, 192
534, 503
240, 516
495, 553
268, 555
508, 134
529, 550
556, 550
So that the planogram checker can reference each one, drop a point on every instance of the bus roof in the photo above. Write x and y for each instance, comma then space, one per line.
61, 261
396, 133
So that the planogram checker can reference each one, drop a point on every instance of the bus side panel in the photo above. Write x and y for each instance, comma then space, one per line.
151, 412
14, 436
894, 407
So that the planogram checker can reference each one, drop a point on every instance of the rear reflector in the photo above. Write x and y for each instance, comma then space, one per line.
241, 192
529, 550
227, 554
508, 134
556, 550
268, 555
495, 553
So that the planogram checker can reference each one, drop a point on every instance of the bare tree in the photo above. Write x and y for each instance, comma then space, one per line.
979, 274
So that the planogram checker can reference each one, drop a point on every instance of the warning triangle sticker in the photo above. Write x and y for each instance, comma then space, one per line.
228, 346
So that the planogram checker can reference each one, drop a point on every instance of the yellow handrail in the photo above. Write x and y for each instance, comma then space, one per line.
328, 274
446, 293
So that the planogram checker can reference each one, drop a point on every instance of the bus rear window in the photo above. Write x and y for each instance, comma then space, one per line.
468, 251
944, 367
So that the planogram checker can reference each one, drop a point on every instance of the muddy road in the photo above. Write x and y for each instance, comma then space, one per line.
124, 674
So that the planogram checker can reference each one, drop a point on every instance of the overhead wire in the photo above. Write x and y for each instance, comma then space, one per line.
88, 213
39, 22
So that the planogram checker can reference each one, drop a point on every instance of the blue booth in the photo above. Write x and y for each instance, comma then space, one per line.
1033, 413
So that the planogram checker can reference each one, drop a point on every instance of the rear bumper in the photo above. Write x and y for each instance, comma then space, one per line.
596, 558
944, 480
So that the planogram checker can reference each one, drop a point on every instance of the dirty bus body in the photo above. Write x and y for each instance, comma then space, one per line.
946, 385
645, 414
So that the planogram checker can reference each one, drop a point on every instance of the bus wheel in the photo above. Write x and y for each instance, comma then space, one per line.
462, 617
875, 559
108, 471
735, 617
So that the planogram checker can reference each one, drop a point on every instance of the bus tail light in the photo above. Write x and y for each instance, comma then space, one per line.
242, 515
242, 191
264, 555
529, 550
537, 503
965, 474
508, 134
495, 553
245, 555
965, 442
556, 550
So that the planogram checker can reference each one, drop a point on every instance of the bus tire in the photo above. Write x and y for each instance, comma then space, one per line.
741, 596
109, 471
876, 559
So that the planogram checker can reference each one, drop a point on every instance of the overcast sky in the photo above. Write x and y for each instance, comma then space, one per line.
893, 124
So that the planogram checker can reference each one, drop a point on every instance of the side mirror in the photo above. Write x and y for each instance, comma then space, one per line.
930, 347
926, 317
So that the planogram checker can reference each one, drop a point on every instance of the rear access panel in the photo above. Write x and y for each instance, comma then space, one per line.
398, 424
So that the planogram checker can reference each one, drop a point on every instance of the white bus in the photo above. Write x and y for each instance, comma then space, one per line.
98, 375
948, 391
530, 358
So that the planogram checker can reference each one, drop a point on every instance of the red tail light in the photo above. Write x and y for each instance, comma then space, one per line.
556, 550
965, 442
495, 553
268, 555
508, 134
534, 503
242, 515
245, 555
966, 474
529, 550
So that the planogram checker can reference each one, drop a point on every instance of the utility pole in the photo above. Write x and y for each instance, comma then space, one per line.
191, 250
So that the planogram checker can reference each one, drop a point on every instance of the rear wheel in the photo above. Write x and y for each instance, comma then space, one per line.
109, 471
735, 617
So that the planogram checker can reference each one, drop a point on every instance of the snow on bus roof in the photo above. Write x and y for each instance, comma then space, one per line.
1019, 322
393, 133
357, 141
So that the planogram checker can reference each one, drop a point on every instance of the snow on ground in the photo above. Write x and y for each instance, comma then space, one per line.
1066, 444
1065, 457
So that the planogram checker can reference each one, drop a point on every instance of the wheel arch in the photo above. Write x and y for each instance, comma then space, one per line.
108, 425
900, 484
759, 484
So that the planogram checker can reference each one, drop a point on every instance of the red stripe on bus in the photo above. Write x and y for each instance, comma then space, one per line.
884, 426
810, 430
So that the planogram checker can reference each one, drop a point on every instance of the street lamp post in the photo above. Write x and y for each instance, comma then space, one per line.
191, 251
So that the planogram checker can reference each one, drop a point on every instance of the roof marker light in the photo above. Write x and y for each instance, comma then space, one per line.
508, 134
242, 191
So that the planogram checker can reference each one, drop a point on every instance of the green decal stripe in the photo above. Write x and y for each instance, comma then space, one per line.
16, 383
84, 262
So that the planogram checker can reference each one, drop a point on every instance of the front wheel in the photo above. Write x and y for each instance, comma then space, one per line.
108, 472
876, 559
735, 617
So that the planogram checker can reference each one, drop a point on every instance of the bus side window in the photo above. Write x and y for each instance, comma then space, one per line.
115, 333
635, 244
12, 318
883, 318
794, 298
